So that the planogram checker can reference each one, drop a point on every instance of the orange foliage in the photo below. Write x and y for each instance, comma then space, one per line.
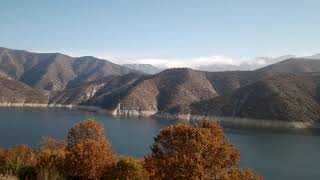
182, 151
198, 151
22, 154
128, 168
20, 161
51, 155
89, 153
2, 157
238, 174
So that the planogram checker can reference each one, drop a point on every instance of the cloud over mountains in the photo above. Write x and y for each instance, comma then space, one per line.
211, 63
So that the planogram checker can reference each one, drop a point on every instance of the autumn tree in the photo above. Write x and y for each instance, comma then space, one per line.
51, 158
3, 153
198, 151
89, 153
20, 161
128, 168
238, 174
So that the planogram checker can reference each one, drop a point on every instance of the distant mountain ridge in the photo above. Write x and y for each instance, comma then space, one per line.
260, 94
14, 92
251, 65
145, 68
287, 91
54, 71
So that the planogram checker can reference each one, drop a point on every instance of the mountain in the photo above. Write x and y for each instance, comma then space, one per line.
101, 92
294, 66
145, 68
169, 89
54, 71
12, 91
249, 65
315, 56
287, 91
284, 97
136, 94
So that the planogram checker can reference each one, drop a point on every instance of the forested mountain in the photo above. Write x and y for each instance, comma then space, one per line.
54, 71
287, 91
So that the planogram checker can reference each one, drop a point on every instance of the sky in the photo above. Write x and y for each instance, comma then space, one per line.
163, 32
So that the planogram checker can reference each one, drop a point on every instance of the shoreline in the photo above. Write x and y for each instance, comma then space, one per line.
44, 105
242, 122
235, 121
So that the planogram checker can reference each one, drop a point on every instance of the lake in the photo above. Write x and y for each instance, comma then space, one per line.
273, 153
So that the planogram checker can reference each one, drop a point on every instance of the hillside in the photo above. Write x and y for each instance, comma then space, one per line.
145, 68
101, 92
169, 89
266, 94
282, 97
294, 65
54, 71
287, 91
12, 91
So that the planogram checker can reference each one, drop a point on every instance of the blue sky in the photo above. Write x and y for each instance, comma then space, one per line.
162, 29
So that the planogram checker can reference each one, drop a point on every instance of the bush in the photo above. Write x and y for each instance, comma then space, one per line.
128, 168
238, 174
182, 151
198, 151
21, 162
3, 155
49, 174
89, 154
51, 159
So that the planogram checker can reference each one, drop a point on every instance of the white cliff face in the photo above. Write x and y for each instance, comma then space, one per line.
21, 104
131, 112
92, 90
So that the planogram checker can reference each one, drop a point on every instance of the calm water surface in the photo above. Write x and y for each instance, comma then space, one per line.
275, 154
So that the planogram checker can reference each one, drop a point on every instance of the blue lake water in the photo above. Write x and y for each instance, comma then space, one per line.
273, 153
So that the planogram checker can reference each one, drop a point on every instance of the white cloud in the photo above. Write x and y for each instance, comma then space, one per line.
209, 63
195, 62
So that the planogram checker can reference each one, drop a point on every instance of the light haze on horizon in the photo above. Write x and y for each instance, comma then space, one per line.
174, 32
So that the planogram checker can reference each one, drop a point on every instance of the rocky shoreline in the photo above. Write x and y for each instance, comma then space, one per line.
259, 123
248, 122
69, 106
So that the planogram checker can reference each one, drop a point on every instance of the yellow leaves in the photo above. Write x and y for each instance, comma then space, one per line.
89, 153
198, 151
23, 154
128, 168
51, 154
182, 151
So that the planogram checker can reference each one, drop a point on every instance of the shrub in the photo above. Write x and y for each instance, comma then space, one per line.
238, 174
49, 174
128, 168
89, 154
51, 159
20, 161
198, 151
3, 153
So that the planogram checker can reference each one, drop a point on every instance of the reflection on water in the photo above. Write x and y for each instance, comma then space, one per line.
274, 153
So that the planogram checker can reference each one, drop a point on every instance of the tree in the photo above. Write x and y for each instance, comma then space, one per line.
128, 168
51, 159
89, 153
3, 155
198, 151
237, 173
20, 161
